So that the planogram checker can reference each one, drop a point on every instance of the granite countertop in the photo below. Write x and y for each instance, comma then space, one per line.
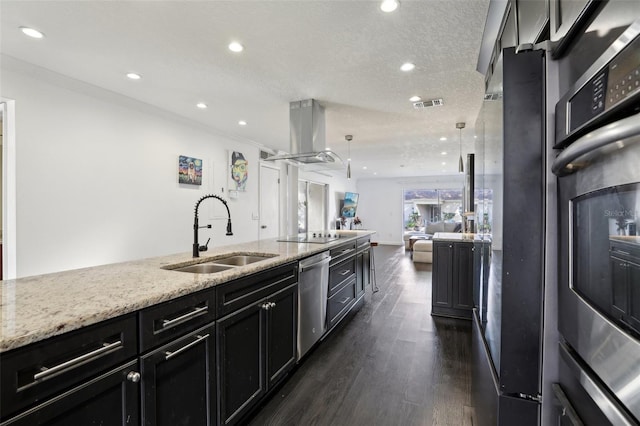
631, 239
456, 237
38, 307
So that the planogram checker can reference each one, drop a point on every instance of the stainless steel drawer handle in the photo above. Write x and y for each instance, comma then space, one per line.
189, 315
169, 355
48, 373
345, 300
343, 273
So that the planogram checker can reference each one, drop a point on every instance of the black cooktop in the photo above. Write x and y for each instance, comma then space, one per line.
322, 237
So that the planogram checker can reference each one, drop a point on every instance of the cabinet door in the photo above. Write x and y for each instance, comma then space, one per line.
463, 276
282, 331
178, 381
634, 296
619, 286
110, 399
241, 354
359, 274
442, 274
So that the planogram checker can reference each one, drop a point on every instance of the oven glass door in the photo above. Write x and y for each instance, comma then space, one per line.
606, 253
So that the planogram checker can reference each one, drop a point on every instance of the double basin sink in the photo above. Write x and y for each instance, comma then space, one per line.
211, 266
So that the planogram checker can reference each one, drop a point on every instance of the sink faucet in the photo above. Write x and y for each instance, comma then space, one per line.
197, 248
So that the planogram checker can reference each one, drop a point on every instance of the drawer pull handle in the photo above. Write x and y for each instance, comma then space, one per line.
133, 376
345, 300
196, 312
343, 252
48, 373
169, 355
343, 273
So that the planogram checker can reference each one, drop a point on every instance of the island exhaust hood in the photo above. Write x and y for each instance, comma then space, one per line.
307, 138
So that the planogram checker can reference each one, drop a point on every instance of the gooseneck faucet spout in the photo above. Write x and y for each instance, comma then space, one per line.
197, 248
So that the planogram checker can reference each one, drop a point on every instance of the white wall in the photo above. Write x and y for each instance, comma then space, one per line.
337, 183
380, 205
97, 176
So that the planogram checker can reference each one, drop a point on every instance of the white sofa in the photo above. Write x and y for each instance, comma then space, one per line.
431, 229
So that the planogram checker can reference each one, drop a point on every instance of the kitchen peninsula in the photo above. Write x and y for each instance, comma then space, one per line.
110, 332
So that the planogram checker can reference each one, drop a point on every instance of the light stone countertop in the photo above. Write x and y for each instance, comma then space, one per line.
42, 306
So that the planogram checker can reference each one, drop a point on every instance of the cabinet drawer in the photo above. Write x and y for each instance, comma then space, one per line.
343, 251
363, 244
339, 303
341, 272
164, 322
242, 292
109, 399
39, 371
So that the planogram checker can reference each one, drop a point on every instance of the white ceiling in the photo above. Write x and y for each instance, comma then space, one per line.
344, 53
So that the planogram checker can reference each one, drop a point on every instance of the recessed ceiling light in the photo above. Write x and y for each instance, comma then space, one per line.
242, 123
415, 98
443, 138
236, 47
444, 163
407, 66
389, 5
134, 76
327, 149
201, 105
31, 32
364, 167
375, 173
443, 153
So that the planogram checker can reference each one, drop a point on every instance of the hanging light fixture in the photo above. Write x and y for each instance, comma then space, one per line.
348, 138
460, 126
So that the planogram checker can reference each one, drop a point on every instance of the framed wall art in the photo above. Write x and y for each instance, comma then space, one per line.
189, 170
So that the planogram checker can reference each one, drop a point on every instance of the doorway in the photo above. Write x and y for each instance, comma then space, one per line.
312, 206
8, 188
269, 202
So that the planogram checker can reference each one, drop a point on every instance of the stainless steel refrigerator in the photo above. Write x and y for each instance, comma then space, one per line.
508, 291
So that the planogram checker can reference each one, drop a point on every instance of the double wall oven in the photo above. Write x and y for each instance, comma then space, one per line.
598, 169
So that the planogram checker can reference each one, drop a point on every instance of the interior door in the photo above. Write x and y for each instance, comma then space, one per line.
269, 202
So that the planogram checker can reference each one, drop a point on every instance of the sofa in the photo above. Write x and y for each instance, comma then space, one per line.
431, 229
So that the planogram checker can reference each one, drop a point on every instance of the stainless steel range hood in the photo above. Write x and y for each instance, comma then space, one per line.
307, 138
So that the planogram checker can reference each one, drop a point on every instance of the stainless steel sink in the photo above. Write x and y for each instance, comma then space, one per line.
203, 268
211, 266
240, 260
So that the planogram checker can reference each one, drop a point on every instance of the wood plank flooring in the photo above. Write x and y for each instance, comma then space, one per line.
392, 363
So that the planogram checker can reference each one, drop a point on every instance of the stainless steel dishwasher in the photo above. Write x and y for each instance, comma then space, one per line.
313, 284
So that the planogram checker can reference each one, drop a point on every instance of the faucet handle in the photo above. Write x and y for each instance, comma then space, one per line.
204, 247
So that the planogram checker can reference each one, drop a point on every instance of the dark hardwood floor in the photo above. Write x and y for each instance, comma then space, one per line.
392, 363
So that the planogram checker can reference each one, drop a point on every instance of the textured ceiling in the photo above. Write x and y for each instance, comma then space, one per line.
346, 54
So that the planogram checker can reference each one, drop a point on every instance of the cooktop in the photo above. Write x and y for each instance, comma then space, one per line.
321, 237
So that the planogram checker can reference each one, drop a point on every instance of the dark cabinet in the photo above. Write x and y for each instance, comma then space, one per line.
452, 279
256, 348
178, 381
45, 370
109, 399
625, 274
363, 265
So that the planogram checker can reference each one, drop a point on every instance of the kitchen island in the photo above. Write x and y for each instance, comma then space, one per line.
98, 332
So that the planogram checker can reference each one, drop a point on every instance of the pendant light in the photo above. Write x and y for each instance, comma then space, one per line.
460, 126
349, 138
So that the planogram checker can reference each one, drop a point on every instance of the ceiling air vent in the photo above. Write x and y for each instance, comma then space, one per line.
429, 103
492, 96
265, 154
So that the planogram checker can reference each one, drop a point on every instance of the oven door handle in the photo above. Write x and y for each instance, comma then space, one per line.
604, 140
595, 390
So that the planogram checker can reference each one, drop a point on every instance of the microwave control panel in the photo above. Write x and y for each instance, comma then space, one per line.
614, 88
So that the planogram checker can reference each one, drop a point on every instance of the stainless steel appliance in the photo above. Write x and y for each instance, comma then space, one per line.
599, 198
319, 237
313, 285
